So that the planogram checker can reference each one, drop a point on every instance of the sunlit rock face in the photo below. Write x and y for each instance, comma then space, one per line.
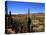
38, 23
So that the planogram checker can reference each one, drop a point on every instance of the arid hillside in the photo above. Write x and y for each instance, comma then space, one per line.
37, 22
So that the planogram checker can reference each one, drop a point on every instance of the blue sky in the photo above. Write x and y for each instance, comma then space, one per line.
22, 7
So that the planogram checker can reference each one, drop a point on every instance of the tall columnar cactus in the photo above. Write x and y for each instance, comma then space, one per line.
29, 20
9, 19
